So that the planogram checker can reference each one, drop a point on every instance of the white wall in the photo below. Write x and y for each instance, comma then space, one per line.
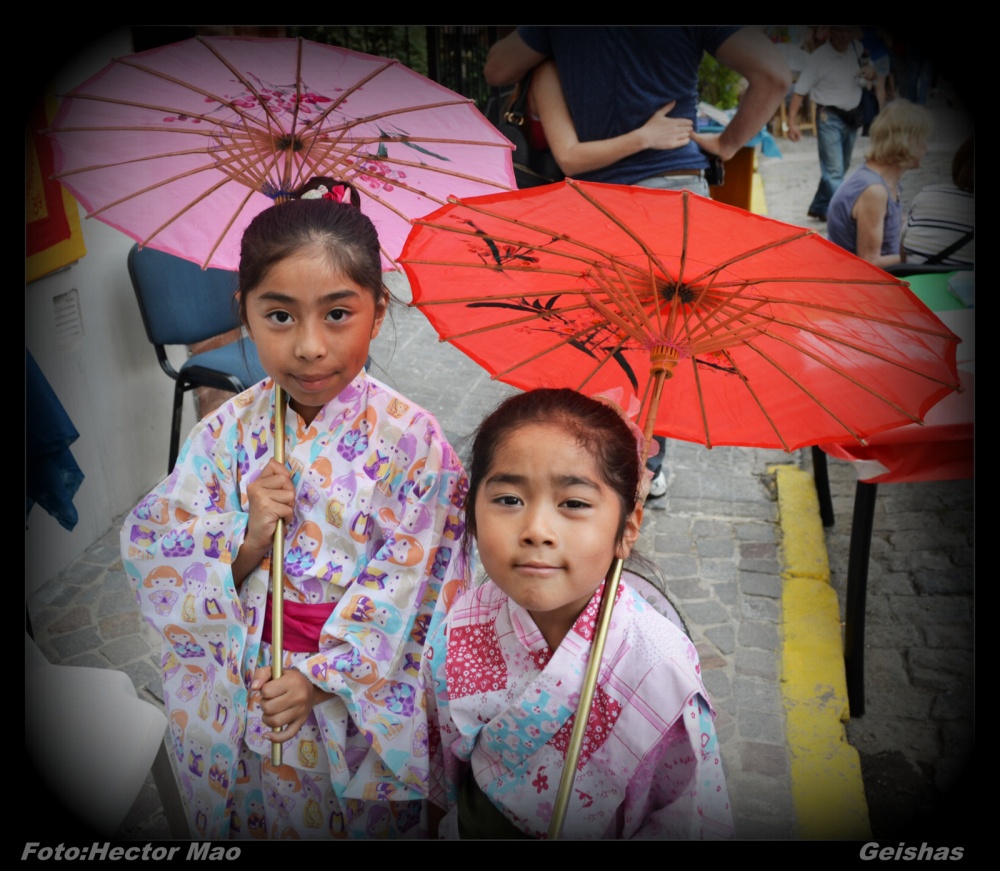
109, 381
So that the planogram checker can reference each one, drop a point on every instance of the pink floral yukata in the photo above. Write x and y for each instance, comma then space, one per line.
504, 704
373, 556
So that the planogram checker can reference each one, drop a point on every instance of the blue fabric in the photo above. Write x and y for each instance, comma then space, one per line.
614, 78
876, 47
52, 475
768, 144
655, 463
181, 302
842, 229
836, 141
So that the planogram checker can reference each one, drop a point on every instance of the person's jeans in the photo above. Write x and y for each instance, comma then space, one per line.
655, 463
836, 145
676, 183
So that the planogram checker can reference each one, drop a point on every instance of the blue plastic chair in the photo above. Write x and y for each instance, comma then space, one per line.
182, 304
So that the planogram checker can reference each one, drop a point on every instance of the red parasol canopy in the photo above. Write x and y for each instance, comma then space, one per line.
770, 335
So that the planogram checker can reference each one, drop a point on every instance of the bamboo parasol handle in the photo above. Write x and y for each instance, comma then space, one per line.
662, 363
278, 563
586, 698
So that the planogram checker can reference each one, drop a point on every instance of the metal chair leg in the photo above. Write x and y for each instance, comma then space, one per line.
175, 426
822, 480
857, 595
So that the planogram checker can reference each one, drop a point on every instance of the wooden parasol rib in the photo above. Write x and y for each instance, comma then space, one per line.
218, 241
812, 396
525, 319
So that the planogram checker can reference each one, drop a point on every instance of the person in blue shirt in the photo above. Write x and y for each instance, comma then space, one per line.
615, 78
618, 105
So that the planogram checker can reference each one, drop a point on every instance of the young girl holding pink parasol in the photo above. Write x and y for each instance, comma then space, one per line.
371, 500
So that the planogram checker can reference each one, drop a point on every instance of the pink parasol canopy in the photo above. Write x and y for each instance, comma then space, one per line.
181, 146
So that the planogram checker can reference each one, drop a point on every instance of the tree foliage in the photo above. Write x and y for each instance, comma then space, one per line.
718, 84
406, 44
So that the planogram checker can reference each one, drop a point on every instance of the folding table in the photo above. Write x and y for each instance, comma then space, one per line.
940, 449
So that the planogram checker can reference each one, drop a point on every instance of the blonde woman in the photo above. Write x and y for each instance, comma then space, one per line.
865, 215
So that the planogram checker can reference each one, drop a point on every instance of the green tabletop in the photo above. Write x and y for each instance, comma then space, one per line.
932, 289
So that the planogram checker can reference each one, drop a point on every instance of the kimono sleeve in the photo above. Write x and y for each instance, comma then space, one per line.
372, 645
178, 546
179, 542
679, 790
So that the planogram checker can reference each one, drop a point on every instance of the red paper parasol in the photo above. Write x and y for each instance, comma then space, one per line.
774, 337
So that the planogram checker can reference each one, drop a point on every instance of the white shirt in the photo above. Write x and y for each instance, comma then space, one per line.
830, 77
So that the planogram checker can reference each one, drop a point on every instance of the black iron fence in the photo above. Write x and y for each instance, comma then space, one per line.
456, 56
453, 55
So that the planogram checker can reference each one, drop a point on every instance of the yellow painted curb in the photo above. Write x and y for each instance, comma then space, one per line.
758, 203
803, 543
827, 788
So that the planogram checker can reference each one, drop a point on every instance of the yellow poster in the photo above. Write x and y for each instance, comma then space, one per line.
53, 237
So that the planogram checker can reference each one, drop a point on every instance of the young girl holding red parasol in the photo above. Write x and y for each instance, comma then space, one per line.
371, 500
554, 496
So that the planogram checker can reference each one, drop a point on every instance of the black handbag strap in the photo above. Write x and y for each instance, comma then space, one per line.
951, 249
517, 111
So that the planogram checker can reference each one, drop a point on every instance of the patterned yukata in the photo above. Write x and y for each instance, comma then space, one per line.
503, 706
372, 559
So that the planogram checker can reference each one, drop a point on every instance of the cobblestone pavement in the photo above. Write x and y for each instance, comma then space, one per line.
916, 738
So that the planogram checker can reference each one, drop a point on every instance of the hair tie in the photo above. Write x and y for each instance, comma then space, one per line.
339, 193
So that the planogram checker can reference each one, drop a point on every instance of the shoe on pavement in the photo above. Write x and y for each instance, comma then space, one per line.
816, 215
658, 486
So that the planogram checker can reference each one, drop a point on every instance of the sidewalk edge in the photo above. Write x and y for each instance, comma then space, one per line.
827, 788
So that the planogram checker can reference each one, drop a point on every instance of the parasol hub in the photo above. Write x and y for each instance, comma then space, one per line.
262, 140
669, 291
663, 359
288, 143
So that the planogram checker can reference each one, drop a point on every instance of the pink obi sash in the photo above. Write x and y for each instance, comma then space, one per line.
303, 624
